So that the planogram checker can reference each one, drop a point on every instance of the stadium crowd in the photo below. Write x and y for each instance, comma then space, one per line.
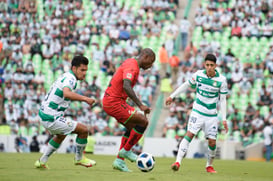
38, 39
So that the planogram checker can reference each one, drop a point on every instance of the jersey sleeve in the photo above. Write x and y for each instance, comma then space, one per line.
223, 88
70, 82
192, 80
129, 72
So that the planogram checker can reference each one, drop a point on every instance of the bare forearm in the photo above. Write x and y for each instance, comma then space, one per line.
131, 93
74, 96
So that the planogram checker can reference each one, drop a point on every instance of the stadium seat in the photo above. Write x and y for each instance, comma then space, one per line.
236, 136
170, 133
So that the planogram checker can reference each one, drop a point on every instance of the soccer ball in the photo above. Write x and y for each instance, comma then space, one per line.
145, 162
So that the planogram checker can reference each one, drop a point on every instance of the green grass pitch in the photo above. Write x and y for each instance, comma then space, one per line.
17, 167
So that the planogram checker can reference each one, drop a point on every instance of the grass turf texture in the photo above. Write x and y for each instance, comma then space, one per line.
14, 166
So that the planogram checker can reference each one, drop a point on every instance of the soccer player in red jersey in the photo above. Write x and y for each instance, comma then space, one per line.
114, 104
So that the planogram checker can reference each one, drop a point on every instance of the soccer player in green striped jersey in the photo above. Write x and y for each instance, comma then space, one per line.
52, 110
211, 88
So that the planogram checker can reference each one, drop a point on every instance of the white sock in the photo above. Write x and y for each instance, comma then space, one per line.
49, 150
211, 156
183, 147
79, 150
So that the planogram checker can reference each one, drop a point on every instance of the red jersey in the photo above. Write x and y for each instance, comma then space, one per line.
129, 69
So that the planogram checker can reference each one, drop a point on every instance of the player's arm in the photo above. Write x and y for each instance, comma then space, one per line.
127, 86
178, 91
223, 107
67, 93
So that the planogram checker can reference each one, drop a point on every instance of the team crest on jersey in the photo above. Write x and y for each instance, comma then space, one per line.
214, 83
71, 82
129, 75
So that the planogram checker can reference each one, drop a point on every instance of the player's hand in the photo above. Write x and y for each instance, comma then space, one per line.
145, 109
169, 100
90, 101
225, 125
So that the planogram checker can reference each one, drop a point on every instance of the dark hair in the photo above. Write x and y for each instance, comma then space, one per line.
78, 60
147, 52
210, 57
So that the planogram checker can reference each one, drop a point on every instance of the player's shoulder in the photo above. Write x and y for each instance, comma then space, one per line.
130, 61
201, 72
70, 75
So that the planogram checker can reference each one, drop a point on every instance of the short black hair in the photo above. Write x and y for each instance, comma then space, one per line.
78, 60
210, 57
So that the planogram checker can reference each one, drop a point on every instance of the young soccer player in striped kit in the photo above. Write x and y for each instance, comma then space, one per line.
52, 111
210, 85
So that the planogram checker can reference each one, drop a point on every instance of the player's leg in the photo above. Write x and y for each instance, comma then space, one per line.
138, 124
182, 150
81, 141
52, 146
194, 125
119, 163
60, 128
211, 128
124, 140
211, 155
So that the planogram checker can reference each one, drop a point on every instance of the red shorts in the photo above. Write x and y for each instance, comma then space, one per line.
118, 108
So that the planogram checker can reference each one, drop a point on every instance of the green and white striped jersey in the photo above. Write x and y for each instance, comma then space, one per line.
208, 91
54, 103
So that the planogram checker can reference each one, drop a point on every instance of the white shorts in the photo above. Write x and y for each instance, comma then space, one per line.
61, 126
208, 124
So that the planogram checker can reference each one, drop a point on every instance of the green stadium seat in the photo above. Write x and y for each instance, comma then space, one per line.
170, 133
264, 111
236, 136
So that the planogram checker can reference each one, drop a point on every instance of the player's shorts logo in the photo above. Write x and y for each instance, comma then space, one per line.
69, 123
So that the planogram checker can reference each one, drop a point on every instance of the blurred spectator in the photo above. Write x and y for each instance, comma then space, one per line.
190, 50
163, 59
250, 111
71, 148
174, 64
34, 145
236, 118
171, 123
267, 132
257, 123
21, 144
246, 132
2, 147
185, 28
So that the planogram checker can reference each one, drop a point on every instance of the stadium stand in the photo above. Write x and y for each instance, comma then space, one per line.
39, 38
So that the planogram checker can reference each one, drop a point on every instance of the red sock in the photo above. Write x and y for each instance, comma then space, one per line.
123, 142
133, 139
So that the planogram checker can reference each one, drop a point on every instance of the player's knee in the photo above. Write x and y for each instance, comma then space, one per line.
146, 123
84, 131
140, 129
